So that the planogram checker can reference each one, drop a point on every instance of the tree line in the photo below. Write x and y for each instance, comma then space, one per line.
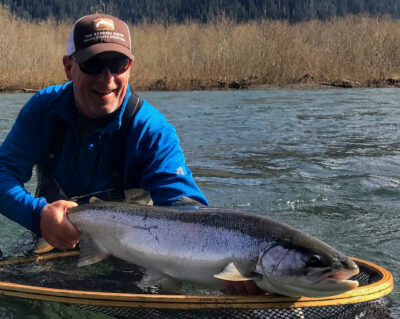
178, 11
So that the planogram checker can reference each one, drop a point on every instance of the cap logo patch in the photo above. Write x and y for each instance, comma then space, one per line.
103, 24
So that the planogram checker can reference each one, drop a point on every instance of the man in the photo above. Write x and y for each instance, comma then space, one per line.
88, 136
91, 107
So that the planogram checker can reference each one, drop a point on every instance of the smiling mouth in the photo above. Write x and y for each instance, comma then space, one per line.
103, 92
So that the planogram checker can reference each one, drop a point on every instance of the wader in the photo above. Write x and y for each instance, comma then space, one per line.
47, 185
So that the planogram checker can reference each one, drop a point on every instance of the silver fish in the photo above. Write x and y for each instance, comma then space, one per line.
206, 245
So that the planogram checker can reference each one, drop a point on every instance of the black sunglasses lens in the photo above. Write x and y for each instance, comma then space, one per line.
92, 70
96, 66
118, 66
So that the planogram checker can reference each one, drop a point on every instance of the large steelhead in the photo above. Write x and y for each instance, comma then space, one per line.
205, 245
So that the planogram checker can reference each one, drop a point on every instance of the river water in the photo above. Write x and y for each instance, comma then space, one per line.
324, 161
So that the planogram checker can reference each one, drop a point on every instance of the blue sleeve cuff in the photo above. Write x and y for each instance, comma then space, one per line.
21, 207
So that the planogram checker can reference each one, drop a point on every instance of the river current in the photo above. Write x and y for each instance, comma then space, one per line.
324, 161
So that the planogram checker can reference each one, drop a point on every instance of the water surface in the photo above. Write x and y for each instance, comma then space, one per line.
325, 161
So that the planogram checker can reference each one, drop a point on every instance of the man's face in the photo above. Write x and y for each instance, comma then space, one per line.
97, 95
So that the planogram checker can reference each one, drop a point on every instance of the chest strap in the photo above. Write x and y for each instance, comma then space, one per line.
118, 148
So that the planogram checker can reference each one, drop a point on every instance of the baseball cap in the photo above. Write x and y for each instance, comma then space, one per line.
97, 33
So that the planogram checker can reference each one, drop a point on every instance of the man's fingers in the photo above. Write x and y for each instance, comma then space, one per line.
70, 204
55, 226
65, 204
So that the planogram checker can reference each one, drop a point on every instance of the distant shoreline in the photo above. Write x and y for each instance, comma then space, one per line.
251, 86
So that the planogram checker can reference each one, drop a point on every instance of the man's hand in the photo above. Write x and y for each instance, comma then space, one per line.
242, 288
55, 227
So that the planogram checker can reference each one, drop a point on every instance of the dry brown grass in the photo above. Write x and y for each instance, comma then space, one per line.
30, 54
192, 56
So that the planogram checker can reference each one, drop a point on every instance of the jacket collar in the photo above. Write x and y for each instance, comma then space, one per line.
64, 107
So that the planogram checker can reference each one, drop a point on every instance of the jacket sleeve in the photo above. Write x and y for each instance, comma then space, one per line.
18, 154
164, 171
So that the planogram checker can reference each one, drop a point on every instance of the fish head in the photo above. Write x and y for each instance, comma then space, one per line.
301, 271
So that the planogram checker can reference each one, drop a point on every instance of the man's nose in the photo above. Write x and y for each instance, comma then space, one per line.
106, 75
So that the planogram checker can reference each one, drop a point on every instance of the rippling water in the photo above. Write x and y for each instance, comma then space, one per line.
325, 161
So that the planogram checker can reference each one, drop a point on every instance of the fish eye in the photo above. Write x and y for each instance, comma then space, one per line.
315, 261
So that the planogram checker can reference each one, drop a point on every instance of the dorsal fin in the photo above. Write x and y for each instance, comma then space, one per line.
94, 199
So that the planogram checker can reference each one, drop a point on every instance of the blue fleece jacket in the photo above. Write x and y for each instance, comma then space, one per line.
153, 157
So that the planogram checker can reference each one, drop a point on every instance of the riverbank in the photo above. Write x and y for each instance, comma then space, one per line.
346, 52
302, 84
249, 85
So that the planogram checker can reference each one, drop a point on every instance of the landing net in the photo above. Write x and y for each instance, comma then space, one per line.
110, 287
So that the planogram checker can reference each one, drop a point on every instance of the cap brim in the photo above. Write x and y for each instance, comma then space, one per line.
85, 54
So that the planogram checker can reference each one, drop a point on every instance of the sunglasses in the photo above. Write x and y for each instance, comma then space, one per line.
96, 65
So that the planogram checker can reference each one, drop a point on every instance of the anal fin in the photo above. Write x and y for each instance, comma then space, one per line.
153, 278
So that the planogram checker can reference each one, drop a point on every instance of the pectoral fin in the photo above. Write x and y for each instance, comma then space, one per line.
42, 246
90, 251
231, 273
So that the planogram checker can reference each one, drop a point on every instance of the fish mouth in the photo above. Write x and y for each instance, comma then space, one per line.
341, 277
333, 283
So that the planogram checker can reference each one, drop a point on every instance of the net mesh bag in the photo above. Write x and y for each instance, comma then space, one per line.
59, 271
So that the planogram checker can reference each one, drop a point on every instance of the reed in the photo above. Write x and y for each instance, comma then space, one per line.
218, 54
30, 54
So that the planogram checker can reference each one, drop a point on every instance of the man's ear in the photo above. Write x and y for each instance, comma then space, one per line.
67, 66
